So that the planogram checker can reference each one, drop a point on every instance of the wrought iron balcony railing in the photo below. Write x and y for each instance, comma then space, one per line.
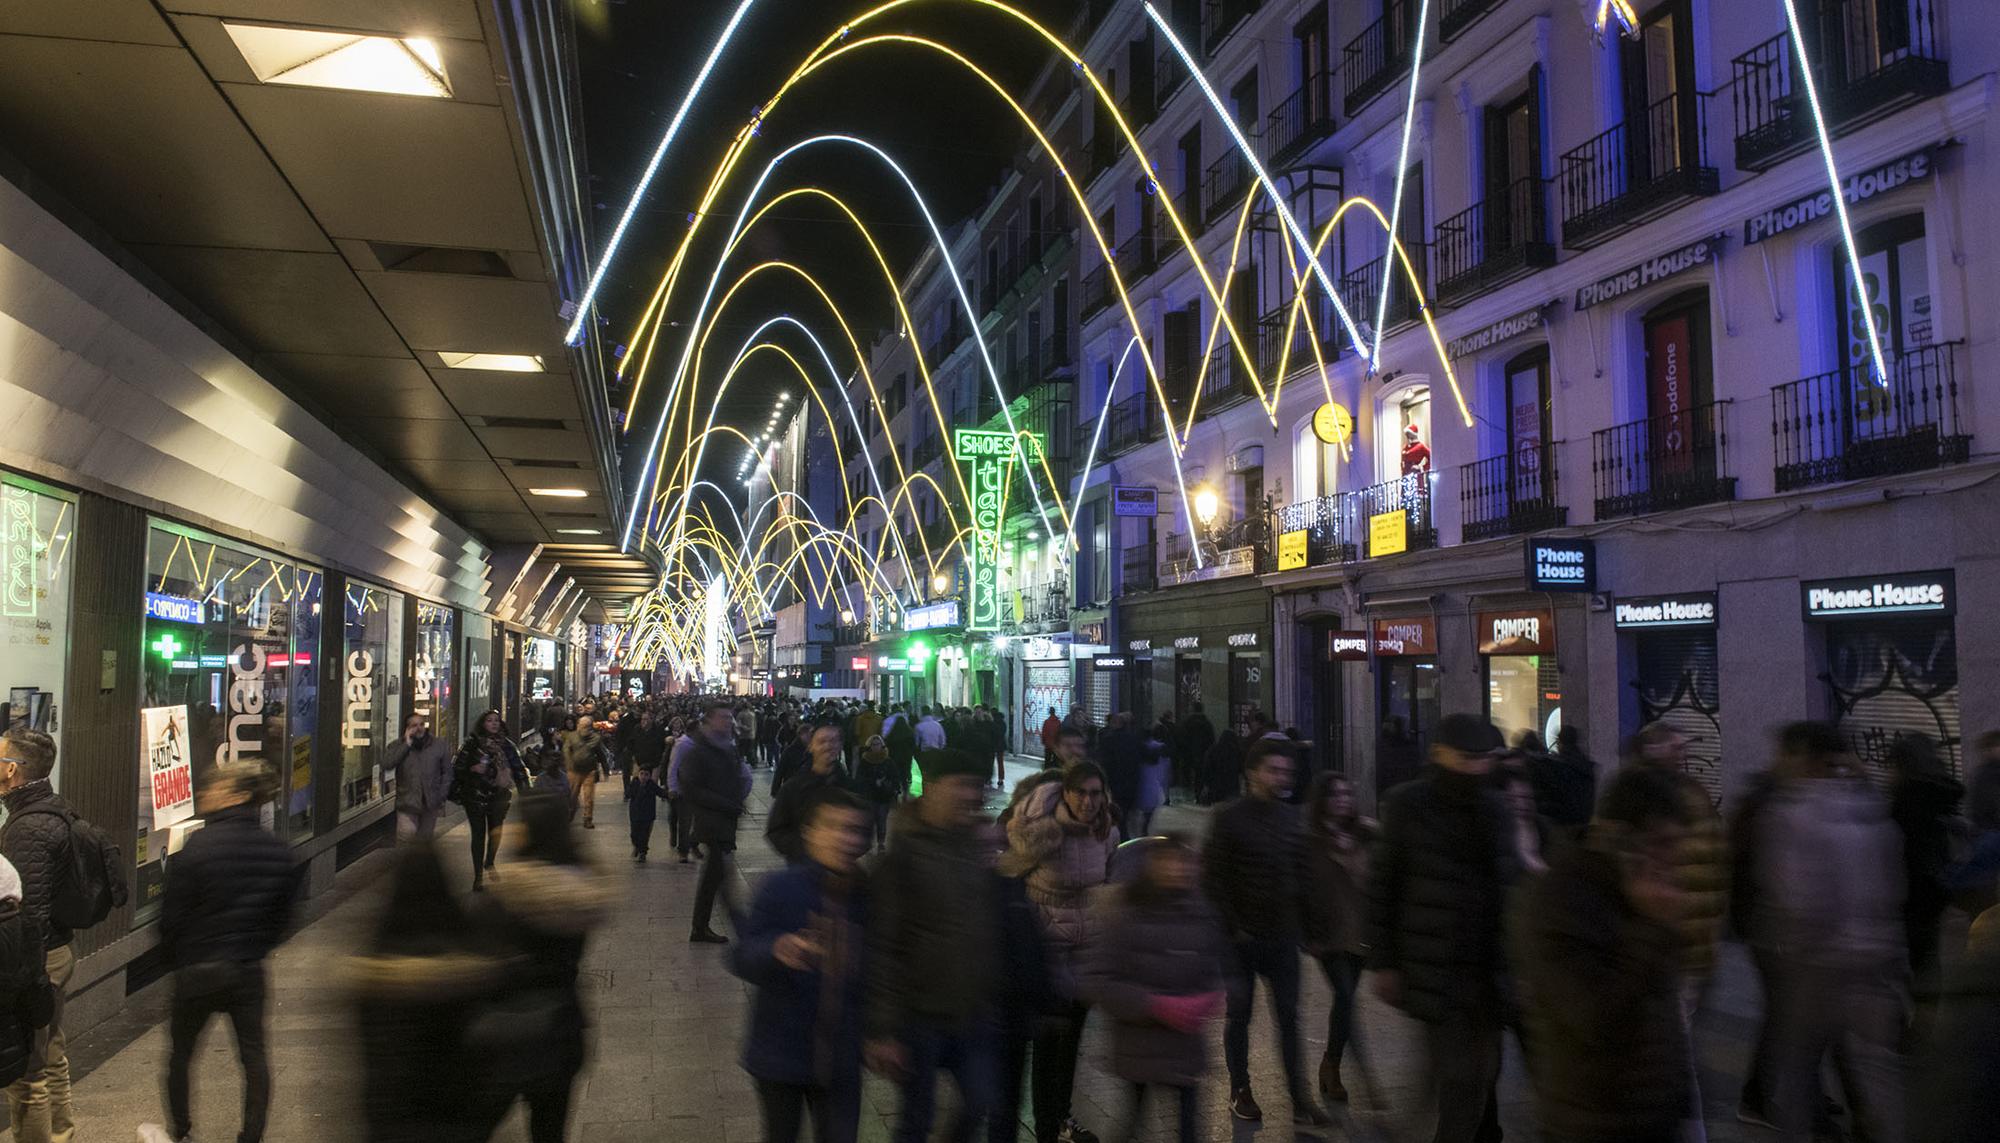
1166, 242
1869, 58
1676, 460
1136, 258
1361, 289
1303, 118
1139, 568
927, 450
1169, 73
1637, 171
1096, 294
1223, 188
1328, 523
1511, 493
1373, 60
1222, 17
1455, 16
1280, 355
1409, 494
1844, 425
1495, 241
1134, 421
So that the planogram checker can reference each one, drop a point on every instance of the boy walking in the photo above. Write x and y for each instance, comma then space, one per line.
644, 792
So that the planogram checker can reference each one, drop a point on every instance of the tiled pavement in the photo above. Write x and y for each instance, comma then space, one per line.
667, 1019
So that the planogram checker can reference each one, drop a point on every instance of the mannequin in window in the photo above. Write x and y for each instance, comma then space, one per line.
1416, 454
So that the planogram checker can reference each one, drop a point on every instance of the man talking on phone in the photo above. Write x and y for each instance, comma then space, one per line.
423, 778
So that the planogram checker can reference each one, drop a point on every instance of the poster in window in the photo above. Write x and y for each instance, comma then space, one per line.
1524, 422
169, 770
1913, 283
1867, 398
1669, 397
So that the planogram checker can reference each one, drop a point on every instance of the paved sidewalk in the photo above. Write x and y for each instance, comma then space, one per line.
666, 1029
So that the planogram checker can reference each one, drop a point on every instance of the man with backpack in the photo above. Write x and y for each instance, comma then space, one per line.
68, 881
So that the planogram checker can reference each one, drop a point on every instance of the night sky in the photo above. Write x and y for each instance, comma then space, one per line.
637, 58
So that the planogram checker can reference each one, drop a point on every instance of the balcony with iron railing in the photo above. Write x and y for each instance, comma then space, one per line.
1037, 607
1134, 421
1224, 186
1237, 548
1138, 107
850, 634
1372, 61
1139, 568
1676, 460
1285, 339
1409, 494
1169, 73
1225, 382
1166, 242
1495, 241
926, 450
1057, 360
1868, 58
1509, 494
1136, 258
1301, 119
1106, 145
1637, 171
1220, 18
1096, 292
1361, 289
1328, 524
1455, 16
947, 339
1844, 425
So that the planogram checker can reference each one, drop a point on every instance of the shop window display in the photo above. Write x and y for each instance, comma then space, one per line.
435, 689
227, 680
1405, 441
371, 701
35, 575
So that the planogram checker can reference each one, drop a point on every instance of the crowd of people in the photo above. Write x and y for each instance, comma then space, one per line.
1504, 892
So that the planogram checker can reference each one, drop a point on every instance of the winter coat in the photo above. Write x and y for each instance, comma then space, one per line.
1701, 870
1953, 1098
649, 748
229, 892
934, 952
645, 795
1603, 1005
423, 774
783, 826
1746, 831
1336, 891
1026, 990
878, 781
1154, 778
545, 913
583, 749
1173, 946
1565, 788
1436, 891
1830, 877
1253, 867
37, 845
1922, 806
27, 1002
805, 1027
473, 787
711, 782
1123, 755
1062, 860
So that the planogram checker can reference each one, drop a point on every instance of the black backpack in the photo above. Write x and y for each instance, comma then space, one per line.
89, 878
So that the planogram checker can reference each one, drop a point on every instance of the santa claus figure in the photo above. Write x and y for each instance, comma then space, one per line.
1416, 454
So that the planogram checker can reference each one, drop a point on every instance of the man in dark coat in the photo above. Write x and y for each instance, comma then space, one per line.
784, 828
711, 782
1253, 869
1439, 880
1600, 961
37, 842
228, 900
422, 762
1122, 755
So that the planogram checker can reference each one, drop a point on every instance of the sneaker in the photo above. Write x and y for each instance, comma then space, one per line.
1754, 1117
1243, 1105
1306, 1113
1074, 1132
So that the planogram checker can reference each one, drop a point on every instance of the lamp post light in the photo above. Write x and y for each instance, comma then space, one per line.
939, 583
1206, 505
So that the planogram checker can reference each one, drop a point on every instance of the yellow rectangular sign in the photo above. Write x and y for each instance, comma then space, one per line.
1291, 550
1389, 533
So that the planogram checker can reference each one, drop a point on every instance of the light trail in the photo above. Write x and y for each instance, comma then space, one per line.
1402, 173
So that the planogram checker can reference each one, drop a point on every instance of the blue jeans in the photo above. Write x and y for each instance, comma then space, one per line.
1277, 961
969, 1054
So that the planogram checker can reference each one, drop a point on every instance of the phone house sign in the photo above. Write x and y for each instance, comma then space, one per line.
1861, 597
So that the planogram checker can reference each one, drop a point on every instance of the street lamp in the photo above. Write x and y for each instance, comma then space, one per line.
939, 583
1206, 505
847, 615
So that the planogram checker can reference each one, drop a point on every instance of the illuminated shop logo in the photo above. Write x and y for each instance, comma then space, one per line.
1916, 593
173, 608
246, 706
17, 553
359, 694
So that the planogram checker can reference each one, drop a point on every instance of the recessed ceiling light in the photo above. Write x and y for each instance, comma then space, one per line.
565, 493
303, 57
579, 531
499, 362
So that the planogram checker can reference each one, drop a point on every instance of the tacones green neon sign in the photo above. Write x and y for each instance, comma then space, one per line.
987, 455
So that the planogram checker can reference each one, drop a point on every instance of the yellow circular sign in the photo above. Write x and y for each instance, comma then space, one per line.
1333, 423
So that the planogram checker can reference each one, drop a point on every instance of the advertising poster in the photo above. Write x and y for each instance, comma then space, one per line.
163, 731
1669, 351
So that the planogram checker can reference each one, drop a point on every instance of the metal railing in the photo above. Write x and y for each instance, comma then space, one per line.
1039, 604
1048, 414
1277, 355
1223, 187
1328, 524
1138, 108
1096, 293
1455, 16
1221, 17
1361, 289
1843, 425
1496, 240
1169, 73
927, 450
1055, 353
1676, 460
1225, 384
1372, 60
1167, 243
1879, 57
1637, 170
1135, 258
1133, 422
949, 338
1409, 494
1139, 568
1511, 493
1304, 117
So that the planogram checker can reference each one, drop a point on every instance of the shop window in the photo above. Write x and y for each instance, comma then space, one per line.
538, 664
1678, 684
1405, 432
434, 692
1524, 695
371, 701
1895, 270
36, 524
1527, 421
228, 679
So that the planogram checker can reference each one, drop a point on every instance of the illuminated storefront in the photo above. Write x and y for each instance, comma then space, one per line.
371, 699
36, 523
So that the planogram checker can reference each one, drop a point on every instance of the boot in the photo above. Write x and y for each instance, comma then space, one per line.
1330, 1086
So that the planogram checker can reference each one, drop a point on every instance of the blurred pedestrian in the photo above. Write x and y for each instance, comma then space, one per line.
583, 757
226, 907
784, 825
27, 1003
1953, 1097
422, 762
711, 783
1060, 841
485, 776
1599, 952
880, 786
1157, 971
801, 947
1339, 841
1565, 781
1923, 801
645, 793
935, 951
1440, 875
1121, 754
1254, 868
